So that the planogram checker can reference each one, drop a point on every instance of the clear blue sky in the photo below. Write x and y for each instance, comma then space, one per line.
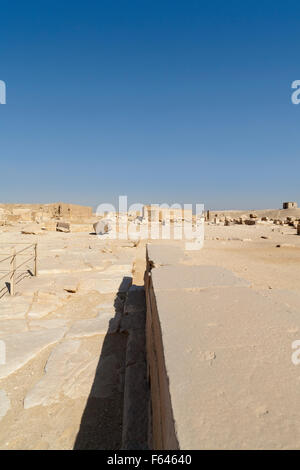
162, 100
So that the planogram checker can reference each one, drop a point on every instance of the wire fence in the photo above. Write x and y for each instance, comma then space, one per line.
13, 272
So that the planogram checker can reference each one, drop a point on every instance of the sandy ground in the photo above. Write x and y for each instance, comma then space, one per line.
63, 315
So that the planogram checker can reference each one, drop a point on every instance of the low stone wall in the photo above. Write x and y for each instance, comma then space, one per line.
219, 358
33, 212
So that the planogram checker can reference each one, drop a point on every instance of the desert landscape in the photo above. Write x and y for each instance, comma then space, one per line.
107, 339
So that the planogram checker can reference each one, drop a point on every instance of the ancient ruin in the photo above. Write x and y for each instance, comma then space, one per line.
104, 340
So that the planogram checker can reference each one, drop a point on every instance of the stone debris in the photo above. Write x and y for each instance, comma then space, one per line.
71, 286
103, 227
32, 230
63, 227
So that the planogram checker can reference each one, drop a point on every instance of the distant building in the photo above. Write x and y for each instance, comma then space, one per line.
159, 213
290, 205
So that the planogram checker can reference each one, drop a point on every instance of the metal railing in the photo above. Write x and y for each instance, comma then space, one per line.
14, 269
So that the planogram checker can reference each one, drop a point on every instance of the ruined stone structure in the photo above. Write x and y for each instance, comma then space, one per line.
158, 213
211, 386
43, 212
290, 205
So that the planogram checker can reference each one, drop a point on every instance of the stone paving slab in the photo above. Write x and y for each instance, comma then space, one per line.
164, 254
69, 371
22, 347
193, 277
228, 361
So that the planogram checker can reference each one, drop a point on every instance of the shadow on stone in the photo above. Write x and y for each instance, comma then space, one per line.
111, 398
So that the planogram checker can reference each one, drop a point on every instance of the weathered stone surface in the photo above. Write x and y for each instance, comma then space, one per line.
4, 404
107, 283
135, 415
69, 371
164, 255
9, 327
107, 378
41, 323
34, 229
231, 359
22, 347
91, 326
78, 307
135, 301
41, 309
136, 346
14, 308
193, 277
63, 227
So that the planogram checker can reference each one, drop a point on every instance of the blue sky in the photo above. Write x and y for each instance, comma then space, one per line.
164, 101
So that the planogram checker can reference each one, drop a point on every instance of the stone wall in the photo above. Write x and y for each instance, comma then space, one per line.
219, 358
43, 212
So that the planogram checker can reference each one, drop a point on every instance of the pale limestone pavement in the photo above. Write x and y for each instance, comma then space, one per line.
54, 330
220, 351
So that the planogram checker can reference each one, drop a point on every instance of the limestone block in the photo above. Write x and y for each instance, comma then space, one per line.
69, 371
193, 277
22, 347
91, 326
63, 227
163, 254
33, 229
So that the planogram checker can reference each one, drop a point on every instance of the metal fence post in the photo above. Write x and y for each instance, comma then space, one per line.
35, 259
13, 276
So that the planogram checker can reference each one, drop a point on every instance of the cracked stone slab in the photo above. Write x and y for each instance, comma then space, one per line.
39, 324
70, 370
91, 326
78, 307
105, 285
42, 309
14, 308
9, 327
194, 277
164, 255
22, 347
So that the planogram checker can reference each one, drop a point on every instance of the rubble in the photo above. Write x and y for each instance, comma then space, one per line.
63, 227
